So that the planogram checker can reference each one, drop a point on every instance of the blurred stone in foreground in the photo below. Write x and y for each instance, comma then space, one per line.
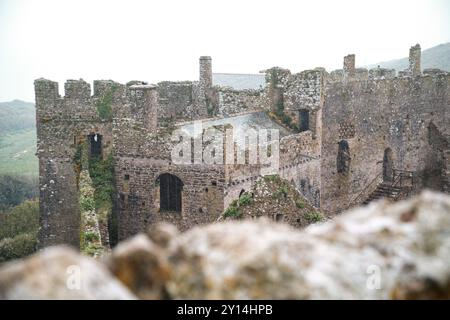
59, 273
383, 251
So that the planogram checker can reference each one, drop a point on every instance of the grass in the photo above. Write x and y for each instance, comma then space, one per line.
90, 236
233, 210
17, 153
314, 216
104, 104
300, 204
245, 199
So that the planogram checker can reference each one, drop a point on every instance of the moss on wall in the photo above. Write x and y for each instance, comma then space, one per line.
104, 104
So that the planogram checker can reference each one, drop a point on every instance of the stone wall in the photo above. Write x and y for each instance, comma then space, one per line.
232, 101
300, 164
138, 194
385, 113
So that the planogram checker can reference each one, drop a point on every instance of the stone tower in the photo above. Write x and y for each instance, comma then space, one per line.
414, 60
204, 87
349, 66
205, 72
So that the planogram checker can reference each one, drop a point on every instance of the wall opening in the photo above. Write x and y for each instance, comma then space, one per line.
95, 145
343, 157
388, 173
303, 120
170, 192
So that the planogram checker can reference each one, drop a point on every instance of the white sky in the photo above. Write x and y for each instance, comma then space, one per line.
162, 40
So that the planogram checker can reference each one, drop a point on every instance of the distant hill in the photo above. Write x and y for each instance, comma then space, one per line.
435, 57
18, 139
16, 115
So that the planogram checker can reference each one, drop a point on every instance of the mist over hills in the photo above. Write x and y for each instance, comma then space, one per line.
435, 57
16, 115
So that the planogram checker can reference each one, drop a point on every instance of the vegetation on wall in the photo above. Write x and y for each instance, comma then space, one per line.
101, 172
90, 239
277, 199
284, 118
104, 104
96, 185
279, 115
233, 210
314, 216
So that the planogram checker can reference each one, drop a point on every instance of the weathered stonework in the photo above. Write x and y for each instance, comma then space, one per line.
339, 133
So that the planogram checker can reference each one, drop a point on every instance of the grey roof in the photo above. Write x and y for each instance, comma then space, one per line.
239, 81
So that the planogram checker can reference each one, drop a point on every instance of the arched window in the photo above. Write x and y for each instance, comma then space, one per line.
170, 188
388, 172
343, 157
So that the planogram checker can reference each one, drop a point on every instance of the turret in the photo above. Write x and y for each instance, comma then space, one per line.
414, 60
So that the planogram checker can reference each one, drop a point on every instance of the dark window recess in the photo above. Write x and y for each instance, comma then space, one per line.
303, 185
214, 183
127, 177
304, 120
170, 192
343, 157
279, 217
95, 145
388, 172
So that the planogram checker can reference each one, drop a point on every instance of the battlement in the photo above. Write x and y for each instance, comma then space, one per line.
110, 99
349, 73
349, 67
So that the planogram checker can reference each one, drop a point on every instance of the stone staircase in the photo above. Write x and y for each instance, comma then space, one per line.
400, 187
384, 190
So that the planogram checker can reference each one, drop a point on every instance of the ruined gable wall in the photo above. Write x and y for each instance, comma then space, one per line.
372, 116
142, 156
231, 101
300, 164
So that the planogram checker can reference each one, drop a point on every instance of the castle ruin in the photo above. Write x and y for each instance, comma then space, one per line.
345, 138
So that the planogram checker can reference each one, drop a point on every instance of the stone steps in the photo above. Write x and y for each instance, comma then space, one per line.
383, 191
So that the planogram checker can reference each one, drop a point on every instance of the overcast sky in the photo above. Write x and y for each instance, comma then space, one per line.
162, 40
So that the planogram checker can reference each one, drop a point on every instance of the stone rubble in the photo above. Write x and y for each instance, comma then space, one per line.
382, 251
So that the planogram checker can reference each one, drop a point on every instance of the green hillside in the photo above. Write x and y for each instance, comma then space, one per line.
16, 115
18, 139
435, 57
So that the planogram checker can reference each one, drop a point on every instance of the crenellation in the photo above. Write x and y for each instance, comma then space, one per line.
77, 89
415, 53
381, 73
349, 67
